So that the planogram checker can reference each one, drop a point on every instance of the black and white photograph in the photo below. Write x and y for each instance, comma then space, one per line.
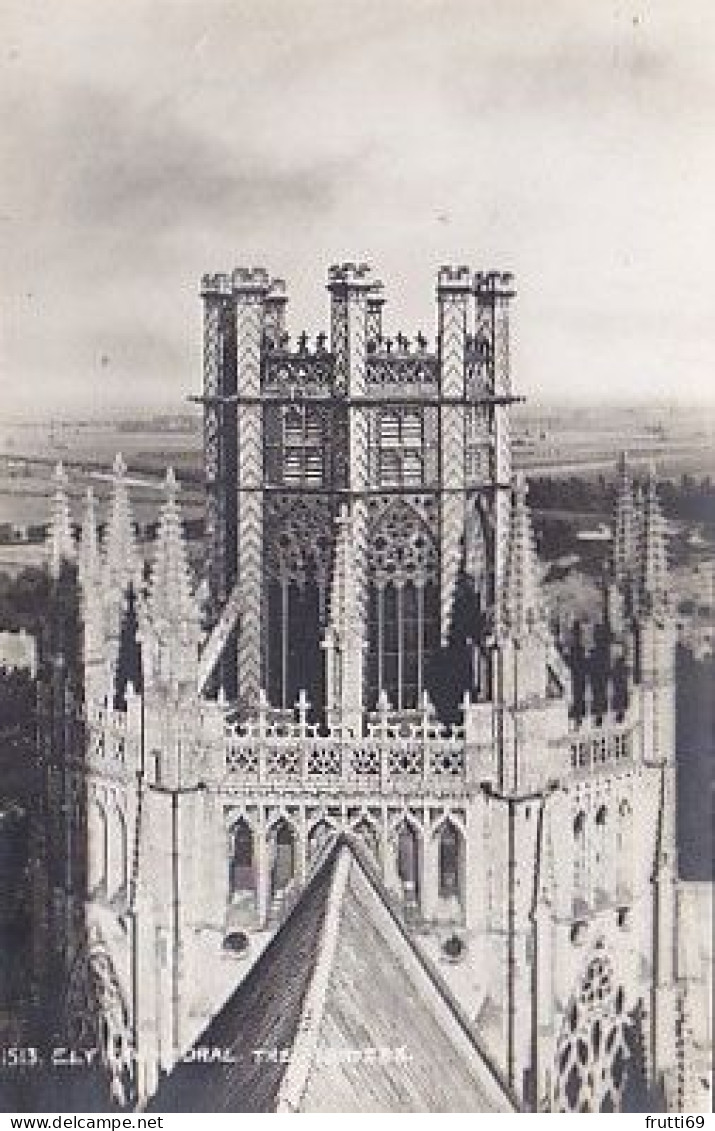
357, 533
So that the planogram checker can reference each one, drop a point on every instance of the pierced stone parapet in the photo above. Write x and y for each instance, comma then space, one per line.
283, 371
386, 368
390, 764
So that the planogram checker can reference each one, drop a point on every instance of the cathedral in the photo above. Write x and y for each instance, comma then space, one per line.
363, 684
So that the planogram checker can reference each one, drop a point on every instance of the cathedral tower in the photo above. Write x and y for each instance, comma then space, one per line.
375, 659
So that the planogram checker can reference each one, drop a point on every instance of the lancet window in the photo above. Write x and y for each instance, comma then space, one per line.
450, 864
408, 864
283, 869
299, 548
242, 866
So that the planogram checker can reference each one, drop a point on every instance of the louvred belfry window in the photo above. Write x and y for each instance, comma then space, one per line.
302, 447
401, 456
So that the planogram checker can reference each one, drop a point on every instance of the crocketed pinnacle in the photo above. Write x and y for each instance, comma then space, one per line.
521, 601
653, 557
121, 564
61, 543
89, 558
625, 538
171, 602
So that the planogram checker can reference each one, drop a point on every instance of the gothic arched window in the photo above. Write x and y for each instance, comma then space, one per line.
449, 863
283, 870
242, 869
408, 863
403, 606
299, 553
594, 1045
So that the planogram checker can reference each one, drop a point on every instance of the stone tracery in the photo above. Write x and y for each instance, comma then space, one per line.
594, 1046
97, 1018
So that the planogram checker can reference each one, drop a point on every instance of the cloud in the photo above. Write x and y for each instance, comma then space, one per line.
153, 170
149, 141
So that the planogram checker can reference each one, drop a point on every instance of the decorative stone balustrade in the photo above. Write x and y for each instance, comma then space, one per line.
298, 372
387, 764
417, 369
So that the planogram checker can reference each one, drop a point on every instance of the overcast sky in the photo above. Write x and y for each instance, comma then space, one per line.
144, 142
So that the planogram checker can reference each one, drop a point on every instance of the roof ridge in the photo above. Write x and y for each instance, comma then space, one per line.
443, 990
295, 1079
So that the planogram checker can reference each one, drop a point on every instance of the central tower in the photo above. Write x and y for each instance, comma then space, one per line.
410, 443
407, 443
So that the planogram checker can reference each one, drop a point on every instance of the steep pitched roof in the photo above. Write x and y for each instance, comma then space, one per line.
342, 989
